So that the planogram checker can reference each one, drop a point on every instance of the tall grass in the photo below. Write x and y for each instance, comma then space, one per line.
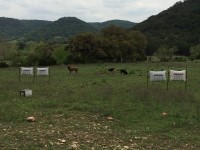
93, 90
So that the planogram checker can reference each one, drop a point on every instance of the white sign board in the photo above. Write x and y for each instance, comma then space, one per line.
26, 70
157, 75
178, 75
43, 71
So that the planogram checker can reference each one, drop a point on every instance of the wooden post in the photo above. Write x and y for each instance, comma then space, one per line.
168, 78
147, 78
186, 80
49, 74
19, 73
34, 74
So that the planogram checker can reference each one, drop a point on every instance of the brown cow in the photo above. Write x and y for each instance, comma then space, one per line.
72, 68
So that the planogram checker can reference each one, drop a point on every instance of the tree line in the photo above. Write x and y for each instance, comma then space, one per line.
112, 44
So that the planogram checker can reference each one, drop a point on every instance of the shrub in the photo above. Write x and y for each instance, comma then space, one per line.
180, 59
3, 65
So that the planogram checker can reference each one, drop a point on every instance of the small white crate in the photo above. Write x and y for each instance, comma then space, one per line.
25, 92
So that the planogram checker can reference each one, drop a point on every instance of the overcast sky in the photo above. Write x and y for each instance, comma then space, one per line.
86, 10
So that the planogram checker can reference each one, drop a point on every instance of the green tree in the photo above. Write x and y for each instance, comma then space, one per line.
60, 55
195, 52
42, 56
83, 47
112, 44
114, 37
124, 45
3, 48
138, 42
21, 45
165, 53
31, 45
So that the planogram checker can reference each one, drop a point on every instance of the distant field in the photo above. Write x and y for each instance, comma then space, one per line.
96, 109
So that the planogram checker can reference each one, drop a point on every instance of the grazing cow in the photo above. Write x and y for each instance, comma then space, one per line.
123, 71
111, 70
72, 68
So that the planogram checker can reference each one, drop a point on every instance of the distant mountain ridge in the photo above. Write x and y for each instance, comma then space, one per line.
14, 28
63, 27
121, 23
66, 27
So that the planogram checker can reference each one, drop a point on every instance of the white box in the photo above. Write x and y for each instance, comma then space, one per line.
25, 92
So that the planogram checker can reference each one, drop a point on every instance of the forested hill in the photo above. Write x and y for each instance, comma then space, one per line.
121, 23
34, 24
177, 26
13, 28
44, 30
63, 27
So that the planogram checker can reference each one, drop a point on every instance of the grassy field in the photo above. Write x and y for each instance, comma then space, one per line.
99, 110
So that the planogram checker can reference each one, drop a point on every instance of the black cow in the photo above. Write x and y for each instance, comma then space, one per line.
111, 69
123, 72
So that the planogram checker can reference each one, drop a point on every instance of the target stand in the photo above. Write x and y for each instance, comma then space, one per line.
26, 71
176, 75
157, 76
43, 71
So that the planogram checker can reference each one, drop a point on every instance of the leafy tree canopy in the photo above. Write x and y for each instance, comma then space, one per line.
112, 44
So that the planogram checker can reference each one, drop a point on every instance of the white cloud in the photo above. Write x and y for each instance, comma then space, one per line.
87, 10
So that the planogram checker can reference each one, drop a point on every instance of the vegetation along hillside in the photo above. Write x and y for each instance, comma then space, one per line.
63, 27
45, 30
13, 28
177, 26
120, 23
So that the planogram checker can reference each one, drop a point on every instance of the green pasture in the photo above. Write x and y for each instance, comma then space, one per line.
75, 109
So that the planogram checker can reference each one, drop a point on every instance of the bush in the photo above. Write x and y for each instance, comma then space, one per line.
180, 59
48, 61
3, 65
164, 59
